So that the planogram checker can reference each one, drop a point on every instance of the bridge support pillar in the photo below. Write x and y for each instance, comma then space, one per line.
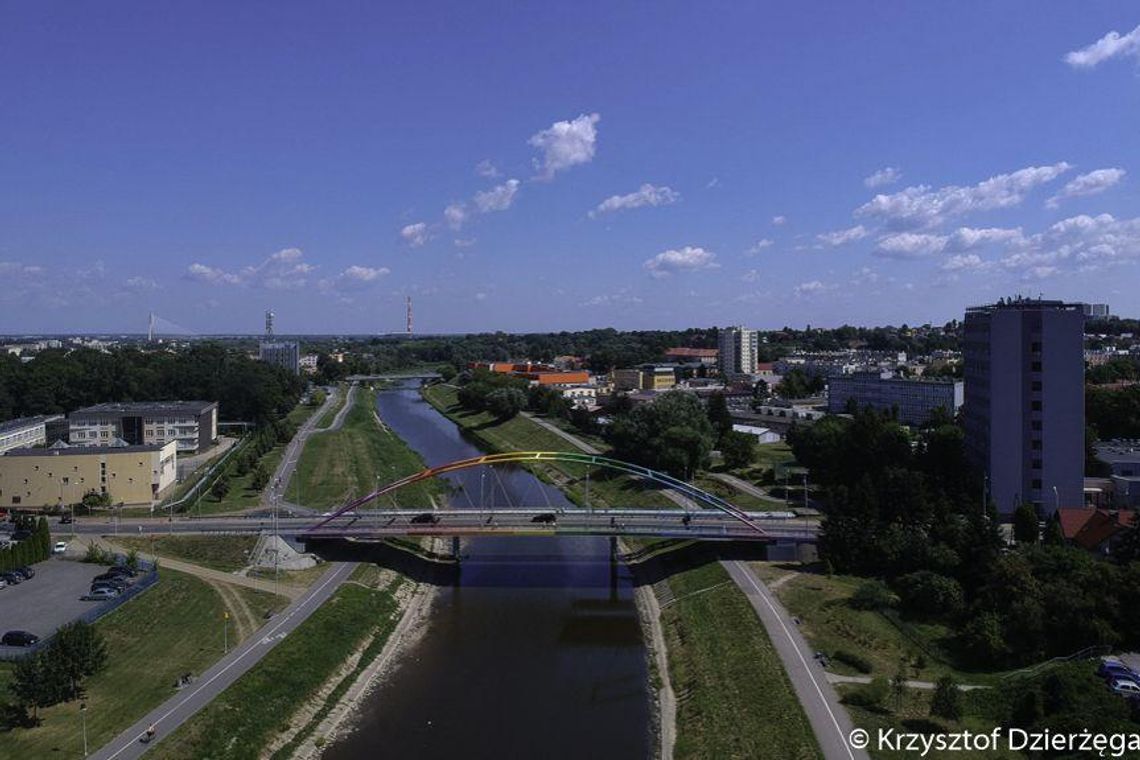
455, 547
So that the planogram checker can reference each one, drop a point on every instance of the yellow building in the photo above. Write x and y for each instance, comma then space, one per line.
46, 477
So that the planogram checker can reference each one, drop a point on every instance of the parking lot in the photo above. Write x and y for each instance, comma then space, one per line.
49, 600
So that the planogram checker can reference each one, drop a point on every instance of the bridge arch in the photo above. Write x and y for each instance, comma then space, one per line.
523, 457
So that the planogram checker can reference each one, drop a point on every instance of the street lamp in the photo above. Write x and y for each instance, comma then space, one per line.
1056, 497
83, 714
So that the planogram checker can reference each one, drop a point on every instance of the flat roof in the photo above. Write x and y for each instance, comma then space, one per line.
86, 450
143, 407
26, 422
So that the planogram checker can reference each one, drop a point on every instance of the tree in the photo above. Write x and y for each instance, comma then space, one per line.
947, 700
929, 594
898, 686
1025, 528
672, 433
220, 488
719, 416
260, 477
738, 449
77, 652
33, 684
505, 403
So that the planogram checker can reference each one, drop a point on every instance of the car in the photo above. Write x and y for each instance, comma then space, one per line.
3, 583
59, 548
1116, 669
25, 571
548, 518
122, 571
1124, 686
13, 578
100, 594
425, 517
116, 583
19, 639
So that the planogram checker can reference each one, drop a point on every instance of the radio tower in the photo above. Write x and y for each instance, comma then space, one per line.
269, 325
150, 329
409, 315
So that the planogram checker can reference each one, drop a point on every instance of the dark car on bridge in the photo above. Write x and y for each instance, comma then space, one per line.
425, 518
548, 518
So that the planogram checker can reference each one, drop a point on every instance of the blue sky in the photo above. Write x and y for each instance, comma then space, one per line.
561, 166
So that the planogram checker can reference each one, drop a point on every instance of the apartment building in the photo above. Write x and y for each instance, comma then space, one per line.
192, 425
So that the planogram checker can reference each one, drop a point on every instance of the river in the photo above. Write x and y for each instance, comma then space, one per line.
535, 651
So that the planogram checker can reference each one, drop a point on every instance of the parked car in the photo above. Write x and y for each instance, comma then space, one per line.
26, 572
3, 583
1124, 686
1116, 669
19, 639
115, 583
13, 578
59, 548
122, 571
100, 594
111, 576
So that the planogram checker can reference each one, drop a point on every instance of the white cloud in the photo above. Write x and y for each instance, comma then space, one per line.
920, 206
464, 242
962, 262
885, 176
779, 221
839, 237
416, 234
621, 298
353, 277
486, 169
712, 183
17, 268
910, 245
687, 259
1111, 45
758, 246
283, 270
965, 238
752, 275
1039, 273
565, 144
455, 215
646, 195
813, 287
1081, 242
140, 285
1093, 183
498, 198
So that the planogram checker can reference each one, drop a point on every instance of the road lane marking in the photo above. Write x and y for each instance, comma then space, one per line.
248, 648
834, 721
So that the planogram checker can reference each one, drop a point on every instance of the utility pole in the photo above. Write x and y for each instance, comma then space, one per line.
83, 713
409, 325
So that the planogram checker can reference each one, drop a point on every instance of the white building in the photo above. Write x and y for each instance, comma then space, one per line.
738, 348
761, 434
24, 432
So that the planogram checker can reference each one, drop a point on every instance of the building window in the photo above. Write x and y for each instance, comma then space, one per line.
1035, 366
1036, 385
1036, 446
1036, 484
1035, 406
1035, 424
1036, 464
1035, 347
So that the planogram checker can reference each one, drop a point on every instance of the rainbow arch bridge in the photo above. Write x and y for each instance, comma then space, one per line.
700, 515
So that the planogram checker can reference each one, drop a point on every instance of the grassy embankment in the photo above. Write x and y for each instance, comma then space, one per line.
327, 418
337, 466
170, 629
733, 697
219, 552
242, 494
606, 487
247, 716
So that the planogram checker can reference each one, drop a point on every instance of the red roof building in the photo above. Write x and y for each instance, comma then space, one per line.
1095, 530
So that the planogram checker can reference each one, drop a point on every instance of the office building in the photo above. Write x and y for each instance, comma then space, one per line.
25, 432
1095, 310
64, 474
192, 425
1024, 401
283, 354
738, 348
914, 401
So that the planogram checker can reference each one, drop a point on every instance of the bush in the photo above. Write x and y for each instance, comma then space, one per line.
856, 661
929, 594
870, 696
947, 700
873, 595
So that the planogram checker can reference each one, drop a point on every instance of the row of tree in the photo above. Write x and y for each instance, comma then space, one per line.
35, 548
58, 381
56, 674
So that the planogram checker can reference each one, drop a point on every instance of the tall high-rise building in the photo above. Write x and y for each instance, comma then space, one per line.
1024, 405
738, 349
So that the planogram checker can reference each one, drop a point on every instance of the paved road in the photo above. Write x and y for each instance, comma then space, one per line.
748, 488
829, 720
288, 465
183, 705
702, 524
573, 439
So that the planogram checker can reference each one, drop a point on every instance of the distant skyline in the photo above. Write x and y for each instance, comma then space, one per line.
561, 167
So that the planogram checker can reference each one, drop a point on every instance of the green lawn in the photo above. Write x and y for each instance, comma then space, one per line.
338, 466
607, 488
733, 698
220, 552
328, 417
173, 628
244, 718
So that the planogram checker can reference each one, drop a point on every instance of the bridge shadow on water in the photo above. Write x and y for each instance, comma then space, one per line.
641, 567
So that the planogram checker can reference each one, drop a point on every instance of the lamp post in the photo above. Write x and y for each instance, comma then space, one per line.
225, 633
83, 714
1056, 497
